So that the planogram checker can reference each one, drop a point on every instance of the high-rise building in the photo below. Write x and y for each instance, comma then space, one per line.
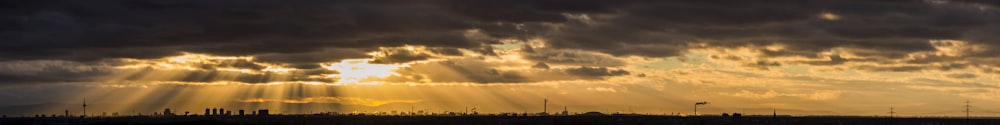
565, 112
241, 112
215, 111
263, 112
207, 111
166, 112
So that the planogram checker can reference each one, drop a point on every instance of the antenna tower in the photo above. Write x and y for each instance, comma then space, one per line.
967, 107
85, 106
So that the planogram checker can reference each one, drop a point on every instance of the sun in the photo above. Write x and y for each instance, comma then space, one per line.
354, 71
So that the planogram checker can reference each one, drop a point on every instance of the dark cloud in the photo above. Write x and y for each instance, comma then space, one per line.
49, 29
985, 2
759, 64
446, 51
459, 70
726, 57
540, 65
310, 60
912, 68
572, 57
113, 71
475, 70
520, 11
762, 64
400, 57
32, 72
210, 76
304, 33
891, 29
961, 75
393, 55
836, 60
596, 72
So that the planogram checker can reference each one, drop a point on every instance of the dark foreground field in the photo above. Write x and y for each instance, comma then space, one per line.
495, 120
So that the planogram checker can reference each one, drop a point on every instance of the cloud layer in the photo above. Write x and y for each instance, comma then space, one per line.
49, 41
806, 56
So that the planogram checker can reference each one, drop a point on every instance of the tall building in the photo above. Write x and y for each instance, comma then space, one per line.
565, 112
263, 112
166, 112
241, 112
774, 115
215, 111
207, 111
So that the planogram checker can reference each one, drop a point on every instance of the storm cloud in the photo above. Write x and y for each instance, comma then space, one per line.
305, 33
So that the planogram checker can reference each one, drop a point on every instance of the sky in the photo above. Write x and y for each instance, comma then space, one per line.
795, 57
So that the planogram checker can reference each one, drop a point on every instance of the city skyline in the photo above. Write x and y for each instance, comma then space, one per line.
796, 57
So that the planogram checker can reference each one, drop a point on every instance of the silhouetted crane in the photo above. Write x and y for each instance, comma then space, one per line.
696, 106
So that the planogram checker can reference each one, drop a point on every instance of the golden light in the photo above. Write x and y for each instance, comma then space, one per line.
277, 69
829, 16
192, 61
354, 71
203, 58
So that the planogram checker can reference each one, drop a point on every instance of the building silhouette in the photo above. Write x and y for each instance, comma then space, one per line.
565, 112
263, 112
207, 111
166, 112
241, 112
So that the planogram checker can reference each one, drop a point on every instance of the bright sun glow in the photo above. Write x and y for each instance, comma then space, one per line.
829, 16
202, 58
354, 71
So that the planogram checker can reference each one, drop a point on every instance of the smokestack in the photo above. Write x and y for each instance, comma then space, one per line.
546, 106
